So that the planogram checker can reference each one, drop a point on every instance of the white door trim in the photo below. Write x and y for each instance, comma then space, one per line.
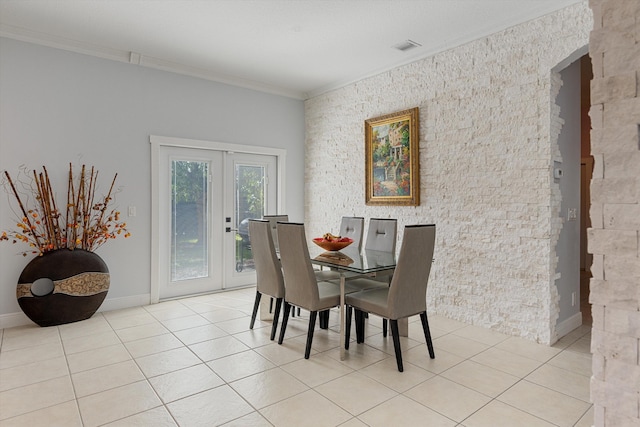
164, 141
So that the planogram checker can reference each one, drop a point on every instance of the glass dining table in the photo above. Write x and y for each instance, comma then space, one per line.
349, 262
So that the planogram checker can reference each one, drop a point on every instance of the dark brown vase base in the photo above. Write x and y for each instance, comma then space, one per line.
80, 285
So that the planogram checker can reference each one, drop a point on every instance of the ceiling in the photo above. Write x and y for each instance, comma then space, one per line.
295, 48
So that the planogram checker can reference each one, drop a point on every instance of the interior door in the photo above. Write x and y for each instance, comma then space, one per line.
206, 199
190, 206
251, 193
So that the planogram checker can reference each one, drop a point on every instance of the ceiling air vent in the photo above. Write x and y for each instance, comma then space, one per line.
406, 45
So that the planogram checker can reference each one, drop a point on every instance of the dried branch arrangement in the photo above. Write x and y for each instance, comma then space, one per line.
88, 223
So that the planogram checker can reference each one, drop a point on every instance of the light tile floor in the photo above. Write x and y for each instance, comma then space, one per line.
194, 362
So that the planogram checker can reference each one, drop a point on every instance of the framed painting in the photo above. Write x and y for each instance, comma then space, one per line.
392, 160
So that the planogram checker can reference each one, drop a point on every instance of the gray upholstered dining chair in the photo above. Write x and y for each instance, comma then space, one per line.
302, 288
382, 234
269, 279
273, 220
406, 296
353, 227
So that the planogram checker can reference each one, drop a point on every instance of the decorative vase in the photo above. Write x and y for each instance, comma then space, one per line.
63, 286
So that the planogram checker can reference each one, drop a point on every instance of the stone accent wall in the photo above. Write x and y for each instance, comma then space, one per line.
486, 151
615, 212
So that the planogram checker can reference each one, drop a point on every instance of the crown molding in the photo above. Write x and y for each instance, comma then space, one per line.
136, 58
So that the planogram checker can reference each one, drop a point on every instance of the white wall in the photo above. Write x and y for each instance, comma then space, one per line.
58, 107
485, 168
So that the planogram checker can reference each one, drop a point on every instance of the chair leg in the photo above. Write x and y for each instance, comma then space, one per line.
285, 320
359, 326
396, 343
384, 327
256, 304
427, 334
275, 317
312, 326
324, 319
347, 331
271, 305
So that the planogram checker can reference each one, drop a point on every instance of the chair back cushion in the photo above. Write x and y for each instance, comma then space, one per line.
299, 279
353, 227
273, 220
408, 289
268, 271
382, 235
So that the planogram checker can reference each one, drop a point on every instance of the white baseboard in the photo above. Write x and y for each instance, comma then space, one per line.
566, 326
12, 320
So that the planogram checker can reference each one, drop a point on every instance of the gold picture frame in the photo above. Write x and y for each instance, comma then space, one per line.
392, 167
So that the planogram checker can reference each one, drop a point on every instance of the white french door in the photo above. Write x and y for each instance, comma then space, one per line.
204, 199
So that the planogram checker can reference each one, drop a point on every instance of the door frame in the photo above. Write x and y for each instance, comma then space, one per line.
157, 142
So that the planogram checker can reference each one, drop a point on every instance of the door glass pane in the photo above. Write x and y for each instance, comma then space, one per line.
250, 203
189, 225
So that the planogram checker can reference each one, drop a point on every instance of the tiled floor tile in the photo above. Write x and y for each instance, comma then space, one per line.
268, 387
505, 361
385, 344
115, 404
63, 414
199, 334
216, 348
223, 315
142, 331
173, 312
539, 352
480, 378
356, 393
254, 419
256, 337
498, 414
554, 407
167, 361
282, 354
459, 346
23, 356
33, 397
317, 370
483, 335
558, 379
580, 363
156, 417
448, 398
444, 323
386, 372
239, 324
180, 323
152, 345
240, 365
305, 409
29, 336
106, 377
404, 412
91, 359
123, 322
420, 357
91, 326
198, 410
34, 372
185, 382
90, 342
359, 355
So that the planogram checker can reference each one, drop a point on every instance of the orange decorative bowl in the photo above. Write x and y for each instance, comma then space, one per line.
335, 245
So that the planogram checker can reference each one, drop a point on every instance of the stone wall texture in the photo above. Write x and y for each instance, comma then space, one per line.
488, 139
615, 211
